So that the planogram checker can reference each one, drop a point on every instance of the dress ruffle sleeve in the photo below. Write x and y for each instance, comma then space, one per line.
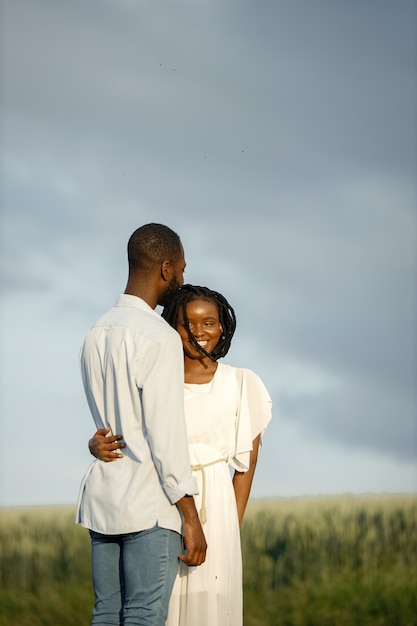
253, 416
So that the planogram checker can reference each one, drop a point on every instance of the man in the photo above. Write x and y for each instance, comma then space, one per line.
132, 370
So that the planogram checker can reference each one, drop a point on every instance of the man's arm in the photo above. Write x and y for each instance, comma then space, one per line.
194, 540
106, 449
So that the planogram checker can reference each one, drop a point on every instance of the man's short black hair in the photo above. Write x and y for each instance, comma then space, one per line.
152, 244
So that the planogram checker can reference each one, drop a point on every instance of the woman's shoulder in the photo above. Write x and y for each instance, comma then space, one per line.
239, 372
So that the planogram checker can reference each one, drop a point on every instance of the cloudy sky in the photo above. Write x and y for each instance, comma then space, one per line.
278, 138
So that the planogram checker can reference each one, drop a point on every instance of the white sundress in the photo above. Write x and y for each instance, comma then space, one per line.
223, 417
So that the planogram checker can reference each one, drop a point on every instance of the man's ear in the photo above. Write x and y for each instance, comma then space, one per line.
166, 268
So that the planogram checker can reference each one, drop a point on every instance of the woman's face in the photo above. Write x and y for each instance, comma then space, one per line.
205, 326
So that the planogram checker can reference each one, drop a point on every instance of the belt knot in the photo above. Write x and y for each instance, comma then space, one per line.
201, 468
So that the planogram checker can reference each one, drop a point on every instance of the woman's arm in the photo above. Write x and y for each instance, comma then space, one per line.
106, 448
242, 481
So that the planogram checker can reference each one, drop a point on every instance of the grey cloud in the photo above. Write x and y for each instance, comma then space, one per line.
364, 415
286, 97
276, 138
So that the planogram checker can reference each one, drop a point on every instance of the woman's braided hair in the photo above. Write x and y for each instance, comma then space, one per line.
227, 317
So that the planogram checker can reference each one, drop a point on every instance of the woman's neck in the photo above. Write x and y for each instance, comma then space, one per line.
199, 371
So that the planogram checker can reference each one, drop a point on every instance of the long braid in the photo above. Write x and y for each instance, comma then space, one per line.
226, 315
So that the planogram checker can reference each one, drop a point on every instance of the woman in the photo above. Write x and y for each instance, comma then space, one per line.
227, 410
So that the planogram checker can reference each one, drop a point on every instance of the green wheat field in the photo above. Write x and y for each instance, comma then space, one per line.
331, 561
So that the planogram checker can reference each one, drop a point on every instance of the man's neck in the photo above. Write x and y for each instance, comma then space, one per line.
145, 292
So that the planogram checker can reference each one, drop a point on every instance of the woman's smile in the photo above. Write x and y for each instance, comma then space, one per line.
203, 324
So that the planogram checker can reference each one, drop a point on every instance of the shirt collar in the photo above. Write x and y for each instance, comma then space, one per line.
127, 300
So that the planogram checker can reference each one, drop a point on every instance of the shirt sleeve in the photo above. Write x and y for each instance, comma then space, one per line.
163, 416
254, 414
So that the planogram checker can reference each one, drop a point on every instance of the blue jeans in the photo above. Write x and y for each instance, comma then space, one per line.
133, 576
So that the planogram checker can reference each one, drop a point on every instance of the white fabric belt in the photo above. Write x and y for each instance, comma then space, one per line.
200, 468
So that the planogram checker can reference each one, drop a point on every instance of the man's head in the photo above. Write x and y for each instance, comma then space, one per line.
156, 260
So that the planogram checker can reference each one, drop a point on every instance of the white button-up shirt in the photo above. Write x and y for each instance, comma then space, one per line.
133, 374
